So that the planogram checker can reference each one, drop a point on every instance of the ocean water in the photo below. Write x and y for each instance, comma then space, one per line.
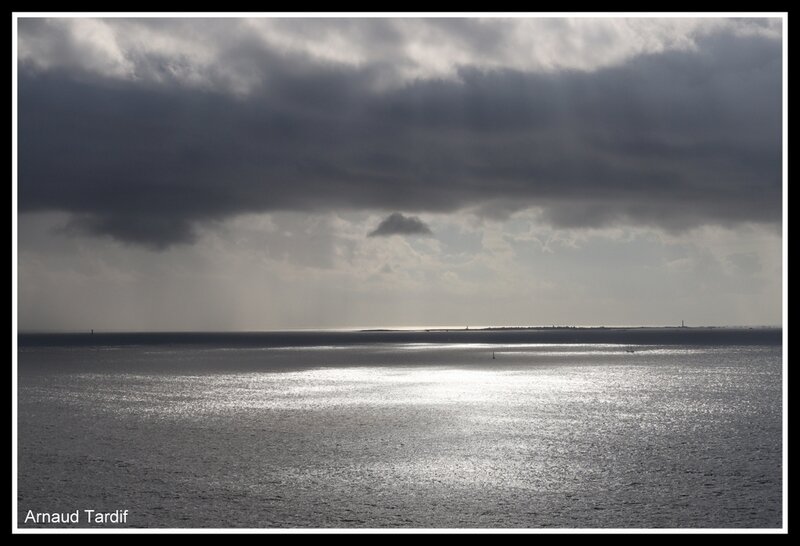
402, 435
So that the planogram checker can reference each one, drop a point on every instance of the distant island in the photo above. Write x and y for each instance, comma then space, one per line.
553, 327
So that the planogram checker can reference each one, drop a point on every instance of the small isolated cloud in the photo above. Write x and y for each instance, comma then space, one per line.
397, 224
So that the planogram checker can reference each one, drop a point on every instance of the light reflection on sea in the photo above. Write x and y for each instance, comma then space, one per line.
444, 436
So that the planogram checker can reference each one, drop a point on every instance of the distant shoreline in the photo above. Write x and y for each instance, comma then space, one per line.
632, 335
499, 328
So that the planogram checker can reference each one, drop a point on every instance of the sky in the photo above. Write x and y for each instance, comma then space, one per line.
275, 173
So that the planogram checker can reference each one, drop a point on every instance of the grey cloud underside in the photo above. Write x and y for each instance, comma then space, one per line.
675, 140
397, 224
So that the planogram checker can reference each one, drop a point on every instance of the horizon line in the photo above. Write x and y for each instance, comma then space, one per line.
356, 329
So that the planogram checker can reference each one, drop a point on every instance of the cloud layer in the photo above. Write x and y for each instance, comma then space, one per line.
142, 140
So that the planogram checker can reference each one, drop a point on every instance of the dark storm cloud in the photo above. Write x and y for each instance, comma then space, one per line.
675, 139
397, 224
154, 231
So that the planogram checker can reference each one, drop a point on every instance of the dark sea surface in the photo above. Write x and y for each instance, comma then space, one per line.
563, 428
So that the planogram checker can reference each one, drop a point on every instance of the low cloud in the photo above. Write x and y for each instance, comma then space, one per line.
397, 224
153, 231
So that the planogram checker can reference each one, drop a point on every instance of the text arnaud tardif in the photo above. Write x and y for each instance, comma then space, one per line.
77, 516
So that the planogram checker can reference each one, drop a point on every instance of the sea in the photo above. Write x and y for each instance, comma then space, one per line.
551, 428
